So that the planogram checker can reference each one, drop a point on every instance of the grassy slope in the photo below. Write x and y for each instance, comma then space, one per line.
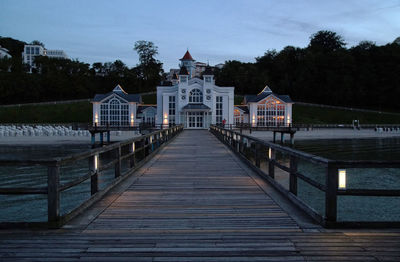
317, 115
62, 113
82, 112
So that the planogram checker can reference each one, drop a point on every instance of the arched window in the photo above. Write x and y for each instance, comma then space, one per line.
270, 113
196, 96
114, 112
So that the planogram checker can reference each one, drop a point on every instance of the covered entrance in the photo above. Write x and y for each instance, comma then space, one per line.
196, 116
195, 119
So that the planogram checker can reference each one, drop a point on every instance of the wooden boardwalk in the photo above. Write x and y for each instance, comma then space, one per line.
195, 201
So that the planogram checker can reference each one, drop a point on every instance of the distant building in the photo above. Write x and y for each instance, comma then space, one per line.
199, 68
56, 54
32, 51
116, 108
4, 53
147, 114
219, 66
194, 102
195, 69
265, 109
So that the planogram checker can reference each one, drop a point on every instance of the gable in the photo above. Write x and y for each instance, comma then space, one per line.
271, 98
112, 96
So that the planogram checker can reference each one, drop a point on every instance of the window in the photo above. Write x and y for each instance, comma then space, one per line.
238, 117
114, 112
124, 114
37, 50
271, 113
208, 79
183, 79
218, 108
196, 96
171, 109
103, 114
28, 50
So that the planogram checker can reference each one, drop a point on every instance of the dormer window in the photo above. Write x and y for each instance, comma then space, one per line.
208, 79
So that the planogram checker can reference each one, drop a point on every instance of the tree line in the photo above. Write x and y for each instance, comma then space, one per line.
64, 79
324, 72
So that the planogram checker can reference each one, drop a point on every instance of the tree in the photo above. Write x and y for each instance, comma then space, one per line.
37, 42
146, 51
150, 69
326, 41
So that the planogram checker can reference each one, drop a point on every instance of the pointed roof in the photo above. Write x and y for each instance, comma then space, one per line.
118, 88
118, 91
183, 71
187, 56
266, 90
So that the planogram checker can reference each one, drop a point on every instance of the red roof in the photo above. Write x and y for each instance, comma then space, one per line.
187, 56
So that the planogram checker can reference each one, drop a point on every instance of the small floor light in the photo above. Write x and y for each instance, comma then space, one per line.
133, 147
96, 162
269, 153
342, 179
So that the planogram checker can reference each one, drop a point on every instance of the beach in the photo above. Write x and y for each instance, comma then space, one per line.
60, 140
333, 133
329, 133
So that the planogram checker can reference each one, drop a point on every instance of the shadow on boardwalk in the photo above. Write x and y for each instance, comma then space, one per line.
195, 201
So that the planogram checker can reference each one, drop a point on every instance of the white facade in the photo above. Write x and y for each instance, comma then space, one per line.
265, 110
115, 109
56, 54
193, 102
31, 51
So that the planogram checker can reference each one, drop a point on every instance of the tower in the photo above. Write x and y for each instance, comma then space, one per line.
188, 62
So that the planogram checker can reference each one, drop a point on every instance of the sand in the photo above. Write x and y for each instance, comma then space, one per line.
333, 133
52, 140
266, 135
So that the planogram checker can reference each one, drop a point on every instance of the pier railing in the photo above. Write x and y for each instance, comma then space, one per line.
133, 153
319, 185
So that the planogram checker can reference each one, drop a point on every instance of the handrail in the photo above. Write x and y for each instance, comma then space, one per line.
140, 150
238, 142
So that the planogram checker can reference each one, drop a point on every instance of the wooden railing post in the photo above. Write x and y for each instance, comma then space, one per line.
117, 169
143, 143
293, 177
93, 167
271, 165
257, 154
53, 195
331, 193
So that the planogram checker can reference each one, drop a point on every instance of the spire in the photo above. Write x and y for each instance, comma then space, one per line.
266, 90
187, 56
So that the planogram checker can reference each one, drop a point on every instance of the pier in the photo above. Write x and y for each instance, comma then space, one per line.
194, 198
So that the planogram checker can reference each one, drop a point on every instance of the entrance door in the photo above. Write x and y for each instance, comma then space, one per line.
195, 119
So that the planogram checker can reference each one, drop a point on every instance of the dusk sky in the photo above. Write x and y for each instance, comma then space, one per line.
214, 31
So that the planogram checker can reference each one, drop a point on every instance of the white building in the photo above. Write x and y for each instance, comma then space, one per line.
4, 53
55, 54
116, 108
195, 69
32, 51
265, 109
146, 114
194, 102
